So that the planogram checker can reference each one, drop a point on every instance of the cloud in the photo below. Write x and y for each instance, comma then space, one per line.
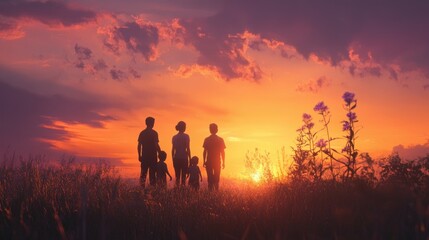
28, 118
118, 75
134, 73
52, 13
186, 71
426, 87
225, 53
314, 86
100, 64
136, 37
386, 37
10, 30
86, 62
82, 53
363, 71
412, 152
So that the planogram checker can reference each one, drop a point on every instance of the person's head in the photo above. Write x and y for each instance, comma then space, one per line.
181, 126
213, 128
150, 121
162, 156
194, 161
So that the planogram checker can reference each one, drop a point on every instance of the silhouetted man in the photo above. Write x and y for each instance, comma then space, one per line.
148, 149
214, 152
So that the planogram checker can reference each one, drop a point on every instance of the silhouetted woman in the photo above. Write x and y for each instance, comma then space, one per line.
181, 153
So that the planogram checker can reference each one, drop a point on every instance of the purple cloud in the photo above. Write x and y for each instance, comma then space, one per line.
100, 64
362, 71
314, 86
134, 73
25, 117
412, 152
426, 87
138, 38
381, 34
10, 30
223, 49
82, 53
85, 60
7, 25
118, 75
51, 13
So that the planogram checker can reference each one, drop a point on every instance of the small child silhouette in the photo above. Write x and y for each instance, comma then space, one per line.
162, 170
194, 174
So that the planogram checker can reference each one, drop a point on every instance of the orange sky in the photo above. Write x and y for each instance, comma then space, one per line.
176, 81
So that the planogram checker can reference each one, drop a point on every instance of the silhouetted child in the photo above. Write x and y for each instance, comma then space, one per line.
194, 174
162, 170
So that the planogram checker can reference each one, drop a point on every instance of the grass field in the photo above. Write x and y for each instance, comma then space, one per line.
69, 201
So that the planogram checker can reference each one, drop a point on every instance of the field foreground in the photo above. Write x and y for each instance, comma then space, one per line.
41, 201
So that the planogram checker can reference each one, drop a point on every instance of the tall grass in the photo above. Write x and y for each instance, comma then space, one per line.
69, 201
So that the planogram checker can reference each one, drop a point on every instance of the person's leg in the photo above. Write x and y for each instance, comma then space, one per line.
209, 177
143, 174
216, 176
177, 171
184, 170
163, 183
195, 186
152, 175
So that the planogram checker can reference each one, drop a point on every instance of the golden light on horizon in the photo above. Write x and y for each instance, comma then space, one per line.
256, 177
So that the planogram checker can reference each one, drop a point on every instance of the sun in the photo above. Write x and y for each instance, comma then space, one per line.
256, 177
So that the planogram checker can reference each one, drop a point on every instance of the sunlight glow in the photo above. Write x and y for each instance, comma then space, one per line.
256, 177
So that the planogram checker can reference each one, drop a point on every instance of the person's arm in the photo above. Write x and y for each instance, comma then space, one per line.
201, 176
205, 153
223, 158
139, 151
223, 154
204, 157
168, 173
173, 148
158, 148
188, 149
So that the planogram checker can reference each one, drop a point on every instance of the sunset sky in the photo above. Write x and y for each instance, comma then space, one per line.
80, 77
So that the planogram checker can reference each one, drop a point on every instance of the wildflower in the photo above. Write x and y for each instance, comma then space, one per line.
320, 107
352, 116
310, 125
349, 98
346, 126
306, 117
346, 149
321, 143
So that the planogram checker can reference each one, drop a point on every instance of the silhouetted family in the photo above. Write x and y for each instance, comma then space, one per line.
185, 166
